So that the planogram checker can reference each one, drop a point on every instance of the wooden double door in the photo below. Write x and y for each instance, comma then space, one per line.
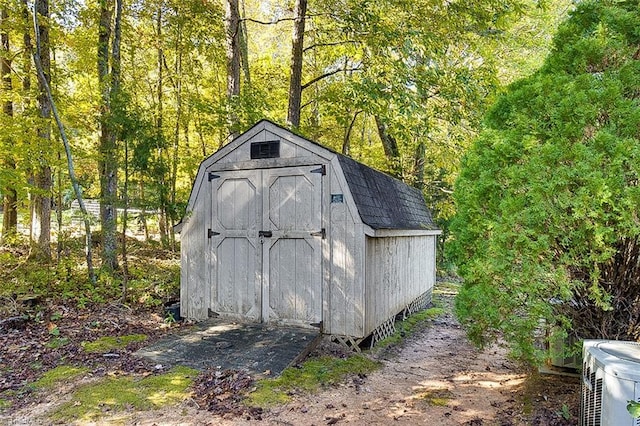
265, 244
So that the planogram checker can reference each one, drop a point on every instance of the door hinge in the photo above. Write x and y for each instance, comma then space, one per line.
322, 234
322, 170
212, 176
319, 325
211, 233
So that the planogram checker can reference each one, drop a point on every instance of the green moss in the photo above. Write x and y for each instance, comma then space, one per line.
58, 342
58, 375
109, 343
4, 404
446, 288
116, 394
437, 397
307, 378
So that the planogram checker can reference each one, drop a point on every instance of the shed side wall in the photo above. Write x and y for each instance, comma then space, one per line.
345, 299
194, 279
398, 270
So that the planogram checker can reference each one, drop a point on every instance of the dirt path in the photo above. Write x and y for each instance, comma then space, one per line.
434, 378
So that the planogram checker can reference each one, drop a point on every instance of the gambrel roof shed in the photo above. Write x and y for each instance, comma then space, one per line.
281, 229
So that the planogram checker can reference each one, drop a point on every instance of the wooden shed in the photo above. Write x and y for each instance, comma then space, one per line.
280, 229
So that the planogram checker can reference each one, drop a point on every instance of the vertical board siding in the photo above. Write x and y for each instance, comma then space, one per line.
242, 153
345, 314
292, 296
194, 280
234, 251
292, 211
399, 269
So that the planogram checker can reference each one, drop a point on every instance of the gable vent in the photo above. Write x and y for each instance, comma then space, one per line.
267, 149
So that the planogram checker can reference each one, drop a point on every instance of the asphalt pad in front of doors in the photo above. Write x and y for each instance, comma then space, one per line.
258, 348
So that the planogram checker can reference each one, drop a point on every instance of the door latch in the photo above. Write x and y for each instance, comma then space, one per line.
322, 234
265, 234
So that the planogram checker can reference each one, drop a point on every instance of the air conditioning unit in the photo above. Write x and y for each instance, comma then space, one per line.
610, 378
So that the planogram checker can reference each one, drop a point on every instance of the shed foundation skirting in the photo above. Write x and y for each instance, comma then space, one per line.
383, 331
348, 342
388, 327
419, 304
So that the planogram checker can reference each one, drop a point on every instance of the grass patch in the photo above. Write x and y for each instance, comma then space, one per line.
114, 394
109, 343
309, 377
446, 288
4, 404
58, 375
437, 397
58, 342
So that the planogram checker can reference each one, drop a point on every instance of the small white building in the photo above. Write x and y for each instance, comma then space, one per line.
280, 229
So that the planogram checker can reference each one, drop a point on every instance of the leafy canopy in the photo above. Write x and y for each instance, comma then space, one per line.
547, 224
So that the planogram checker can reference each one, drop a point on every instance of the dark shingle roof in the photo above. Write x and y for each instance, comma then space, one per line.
384, 202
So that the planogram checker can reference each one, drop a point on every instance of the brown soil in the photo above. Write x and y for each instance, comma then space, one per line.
436, 377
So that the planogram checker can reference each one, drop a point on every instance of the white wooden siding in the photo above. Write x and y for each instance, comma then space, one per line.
345, 315
288, 149
194, 300
235, 251
399, 269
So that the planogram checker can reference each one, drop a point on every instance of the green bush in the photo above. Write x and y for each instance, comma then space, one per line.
547, 225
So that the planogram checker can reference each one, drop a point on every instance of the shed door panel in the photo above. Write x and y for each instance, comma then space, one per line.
292, 256
276, 278
236, 251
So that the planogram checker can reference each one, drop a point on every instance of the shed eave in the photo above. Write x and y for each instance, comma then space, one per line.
382, 233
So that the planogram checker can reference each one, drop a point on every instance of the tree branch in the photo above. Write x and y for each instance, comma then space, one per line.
328, 74
279, 20
337, 43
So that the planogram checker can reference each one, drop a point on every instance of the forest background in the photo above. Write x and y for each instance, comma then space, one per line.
120, 101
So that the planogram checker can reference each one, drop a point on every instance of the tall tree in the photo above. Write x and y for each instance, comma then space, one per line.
233, 46
41, 226
295, 76
244, 47
67, 146
10, 195
160, 138
108, 58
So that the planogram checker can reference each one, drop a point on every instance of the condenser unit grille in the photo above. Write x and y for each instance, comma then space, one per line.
591, 397
610, 378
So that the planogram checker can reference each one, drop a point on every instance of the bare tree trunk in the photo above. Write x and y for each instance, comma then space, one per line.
125, 208
108, 160
176, 143
43, 180
10, 195
244, 48
390, 146
162, 219
42, 78
116, 102
143, 213
295, 79
26, 100
418, 165
232, 30
346, 143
